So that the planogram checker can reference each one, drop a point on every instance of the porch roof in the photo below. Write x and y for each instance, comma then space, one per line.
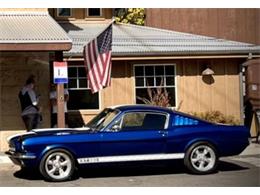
32, 31
133, 40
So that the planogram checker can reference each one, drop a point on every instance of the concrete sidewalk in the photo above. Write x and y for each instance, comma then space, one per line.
252, 149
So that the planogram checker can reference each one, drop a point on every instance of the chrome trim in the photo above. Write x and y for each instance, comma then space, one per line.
19, 155
51, 129
58, 165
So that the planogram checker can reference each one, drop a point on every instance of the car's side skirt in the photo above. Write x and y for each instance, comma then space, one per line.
125, 158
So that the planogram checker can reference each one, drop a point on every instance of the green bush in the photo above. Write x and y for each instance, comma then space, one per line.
216, 117
130, 15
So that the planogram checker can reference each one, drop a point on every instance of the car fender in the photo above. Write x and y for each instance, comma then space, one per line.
56, 146
193, 141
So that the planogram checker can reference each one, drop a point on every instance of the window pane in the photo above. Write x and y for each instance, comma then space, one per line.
131, 120
154, 121
83, 99
139, 82
156, 84
142, 96
149, 81
171, 95
83, 83
72, 72
64, 12
170, 81
159, 81
143, 121
82, 72
169, 70
72, 83
149, 70
159, 70
139, 71
94, 12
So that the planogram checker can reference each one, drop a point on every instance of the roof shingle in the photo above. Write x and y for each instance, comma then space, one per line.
30, 27
132, 40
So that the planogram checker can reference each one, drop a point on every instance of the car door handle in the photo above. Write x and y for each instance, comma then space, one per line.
163, 133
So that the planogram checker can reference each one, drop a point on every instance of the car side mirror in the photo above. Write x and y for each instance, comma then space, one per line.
115, 128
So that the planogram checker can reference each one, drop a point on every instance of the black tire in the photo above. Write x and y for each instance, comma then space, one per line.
199, 162
59, 160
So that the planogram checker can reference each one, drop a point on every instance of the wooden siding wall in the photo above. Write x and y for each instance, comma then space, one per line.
197, 93
120, 92
234, 24
194, 93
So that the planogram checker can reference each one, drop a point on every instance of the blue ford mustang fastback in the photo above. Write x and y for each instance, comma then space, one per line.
128, 133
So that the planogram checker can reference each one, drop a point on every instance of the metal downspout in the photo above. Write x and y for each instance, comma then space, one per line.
241, 93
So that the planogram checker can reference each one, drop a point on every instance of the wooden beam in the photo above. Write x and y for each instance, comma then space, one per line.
60, 96
167, 57
35, 46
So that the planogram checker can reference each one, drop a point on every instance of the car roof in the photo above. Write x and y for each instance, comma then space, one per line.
145, 107
142, 107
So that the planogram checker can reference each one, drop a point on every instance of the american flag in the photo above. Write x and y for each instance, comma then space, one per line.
97, 59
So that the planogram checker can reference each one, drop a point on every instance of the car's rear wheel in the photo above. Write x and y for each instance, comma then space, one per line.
201, 158
57, 165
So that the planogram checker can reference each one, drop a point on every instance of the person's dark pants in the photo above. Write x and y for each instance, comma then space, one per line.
31, 121
54, 119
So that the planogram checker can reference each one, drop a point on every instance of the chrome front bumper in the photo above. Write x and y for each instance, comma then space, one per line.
19, 155
18, 158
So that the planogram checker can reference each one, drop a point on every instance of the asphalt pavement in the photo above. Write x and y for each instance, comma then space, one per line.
235, 171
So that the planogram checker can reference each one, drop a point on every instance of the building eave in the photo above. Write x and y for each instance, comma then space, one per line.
31, 31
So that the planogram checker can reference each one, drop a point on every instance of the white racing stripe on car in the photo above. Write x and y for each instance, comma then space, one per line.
105, 159
20, 134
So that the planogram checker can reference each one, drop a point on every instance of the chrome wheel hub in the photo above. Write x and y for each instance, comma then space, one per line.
203, 158
58, 165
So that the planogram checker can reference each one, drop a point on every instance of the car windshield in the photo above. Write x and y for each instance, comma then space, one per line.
102, 119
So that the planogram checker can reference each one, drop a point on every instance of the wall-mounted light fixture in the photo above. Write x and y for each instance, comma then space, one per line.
208, 71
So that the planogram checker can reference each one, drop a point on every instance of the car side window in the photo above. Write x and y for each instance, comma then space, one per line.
179, 120
143, 121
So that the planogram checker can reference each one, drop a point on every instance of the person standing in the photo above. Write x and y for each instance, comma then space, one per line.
53, 98
29, 104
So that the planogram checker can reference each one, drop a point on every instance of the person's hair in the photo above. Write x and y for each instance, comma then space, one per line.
30, 80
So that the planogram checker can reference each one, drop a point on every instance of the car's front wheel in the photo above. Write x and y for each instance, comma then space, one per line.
57, 165
201, 158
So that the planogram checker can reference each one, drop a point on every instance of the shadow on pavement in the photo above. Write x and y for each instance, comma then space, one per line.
133, 169
230, 166
28, 174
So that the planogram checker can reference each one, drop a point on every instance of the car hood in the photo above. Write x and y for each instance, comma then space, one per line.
50, 131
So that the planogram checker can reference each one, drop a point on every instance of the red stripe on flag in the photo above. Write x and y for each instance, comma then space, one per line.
98, 60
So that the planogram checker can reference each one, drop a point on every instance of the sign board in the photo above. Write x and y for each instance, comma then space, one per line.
60, 72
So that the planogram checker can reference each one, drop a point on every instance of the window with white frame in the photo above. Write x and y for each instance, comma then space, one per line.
64, 12
155, 84
94, 12
80, 96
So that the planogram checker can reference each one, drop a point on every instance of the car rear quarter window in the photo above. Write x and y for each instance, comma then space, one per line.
179, 120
